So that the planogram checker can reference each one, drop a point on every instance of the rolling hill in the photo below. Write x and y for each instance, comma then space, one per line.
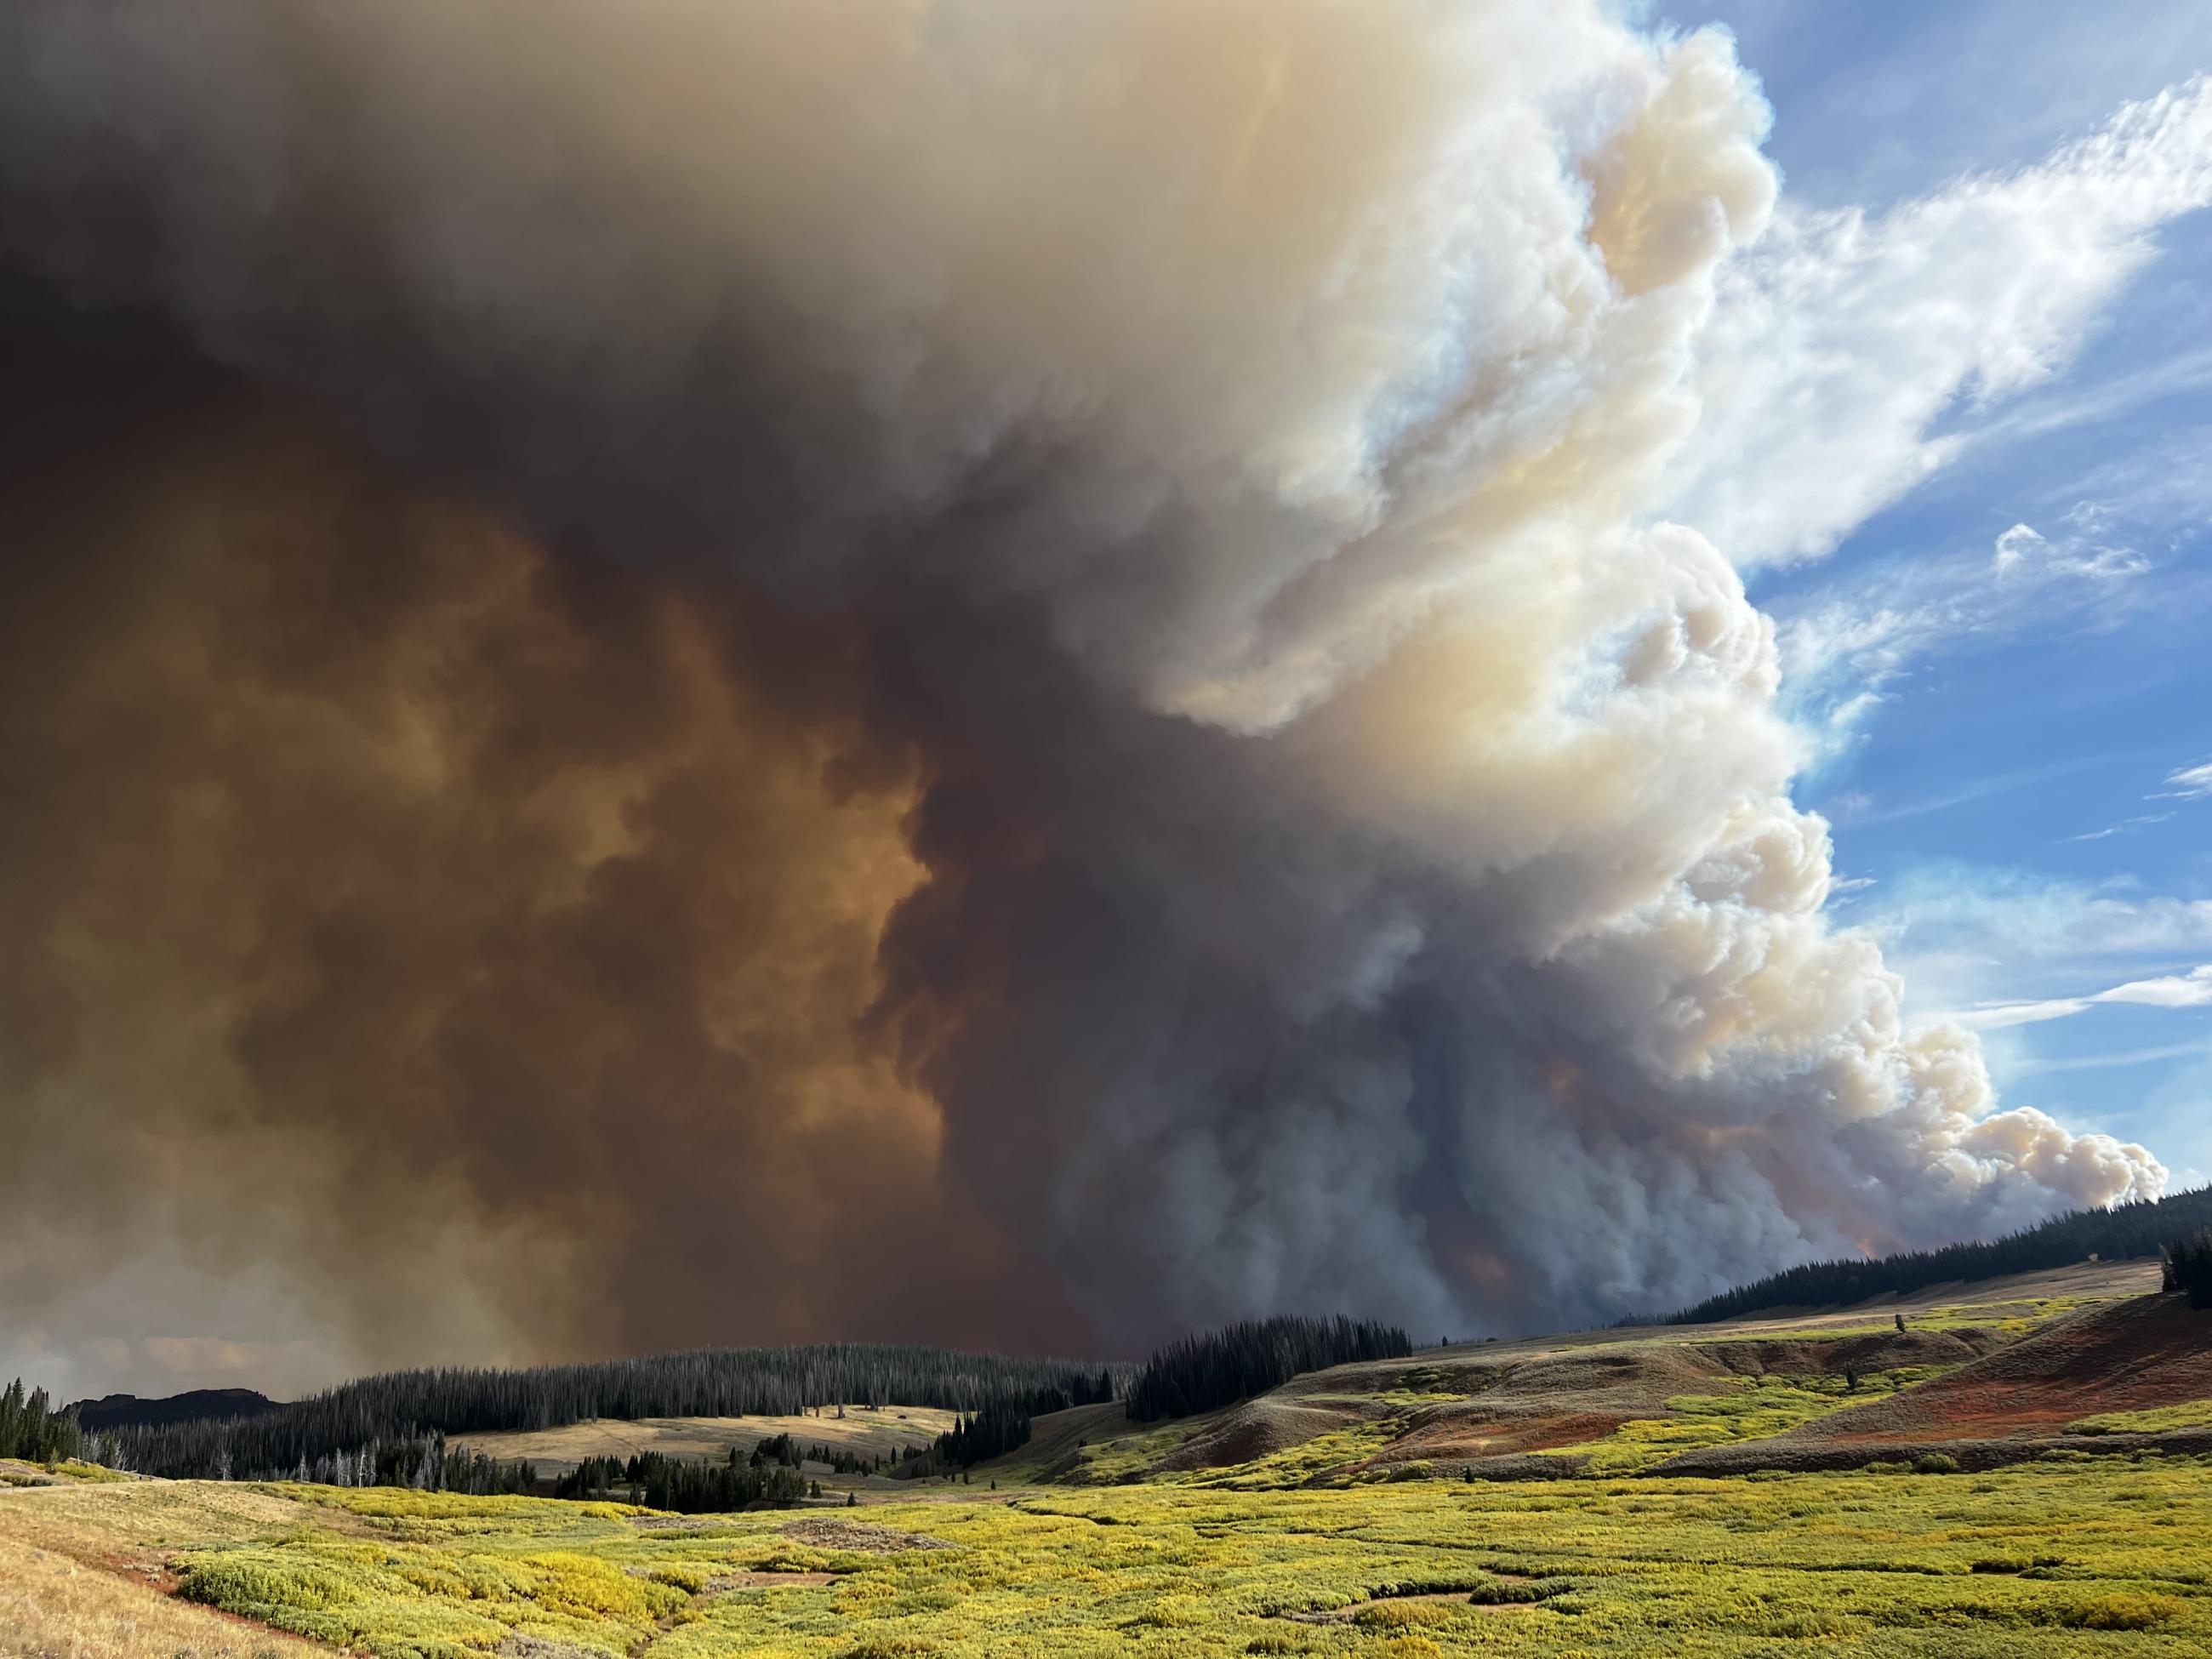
2002, 1367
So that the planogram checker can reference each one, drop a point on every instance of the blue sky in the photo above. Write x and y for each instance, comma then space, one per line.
2005, 671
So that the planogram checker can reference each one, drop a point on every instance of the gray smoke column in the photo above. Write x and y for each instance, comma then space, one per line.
1353, 858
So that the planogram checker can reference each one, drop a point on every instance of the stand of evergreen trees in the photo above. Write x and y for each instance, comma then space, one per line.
1001, 1426
996, 1429
2125, 1232
404, 1407
690, 1488
2189, 1267
31, 1429
782, 1449
1198, 1373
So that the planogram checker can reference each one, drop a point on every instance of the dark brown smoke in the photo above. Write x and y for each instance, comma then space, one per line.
475, 934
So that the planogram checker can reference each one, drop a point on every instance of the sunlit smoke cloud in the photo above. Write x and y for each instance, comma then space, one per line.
1344, 853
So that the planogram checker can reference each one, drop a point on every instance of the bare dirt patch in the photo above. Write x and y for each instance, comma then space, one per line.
863, 1537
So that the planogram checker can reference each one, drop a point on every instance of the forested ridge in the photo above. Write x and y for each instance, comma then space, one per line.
370, 1421
2125, 1232
116, 1411
1214, 1368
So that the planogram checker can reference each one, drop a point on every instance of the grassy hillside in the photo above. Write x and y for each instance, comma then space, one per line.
85, 1572
1609, 1402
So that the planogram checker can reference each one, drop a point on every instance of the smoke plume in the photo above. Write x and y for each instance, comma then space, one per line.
745, 670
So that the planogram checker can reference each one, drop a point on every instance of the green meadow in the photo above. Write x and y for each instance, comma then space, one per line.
2072, 1556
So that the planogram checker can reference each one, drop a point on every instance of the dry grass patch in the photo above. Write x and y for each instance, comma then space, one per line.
52, 1606
867, 1431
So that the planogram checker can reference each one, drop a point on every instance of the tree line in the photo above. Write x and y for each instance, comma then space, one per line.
31, 1428
424, 1462
403, 1407
2125, 1232
1198, 1373
2188, 1266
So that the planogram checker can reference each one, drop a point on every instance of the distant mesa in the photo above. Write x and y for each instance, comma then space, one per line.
117, 1411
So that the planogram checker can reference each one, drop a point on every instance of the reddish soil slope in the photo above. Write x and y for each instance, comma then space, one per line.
1570, 1397
1524, 1402
2136, 1355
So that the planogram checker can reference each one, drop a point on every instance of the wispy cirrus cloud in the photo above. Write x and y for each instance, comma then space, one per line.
2023, 553
2184, 783
2191, 990
1848, 645
2188, 783
2156, 1055
2141, 820
1990, 948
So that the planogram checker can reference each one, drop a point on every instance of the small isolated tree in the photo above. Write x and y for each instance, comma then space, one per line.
852, 1500
1900, 1321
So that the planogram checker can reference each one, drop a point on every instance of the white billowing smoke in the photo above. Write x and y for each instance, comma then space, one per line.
1260, 417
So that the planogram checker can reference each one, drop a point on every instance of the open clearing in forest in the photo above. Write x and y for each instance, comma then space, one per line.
867, 1430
